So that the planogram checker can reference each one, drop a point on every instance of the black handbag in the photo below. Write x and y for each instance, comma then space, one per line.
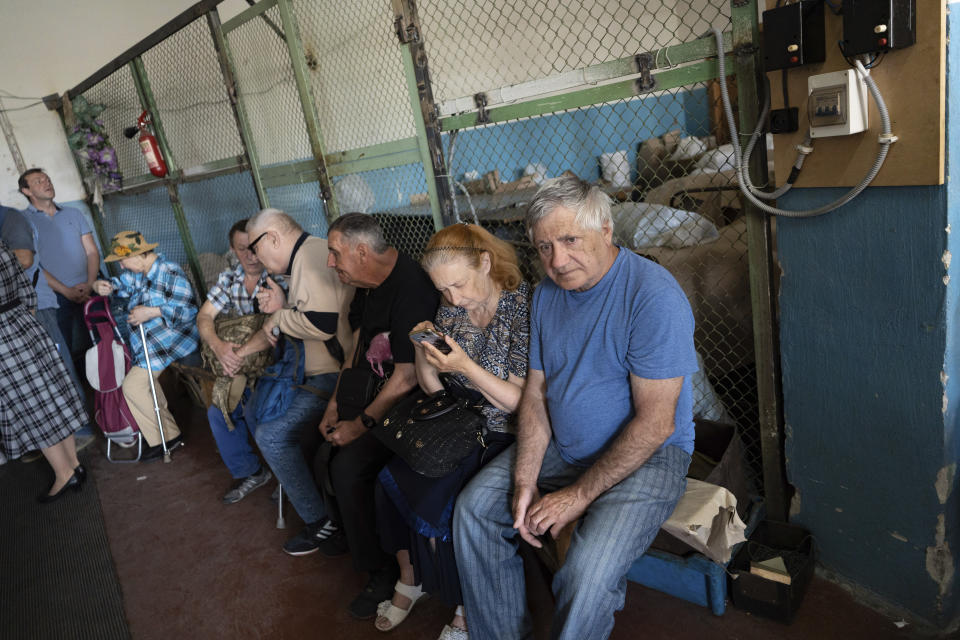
357, 388
433, 433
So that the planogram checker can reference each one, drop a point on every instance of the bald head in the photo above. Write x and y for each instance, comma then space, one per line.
272, 235
273, 220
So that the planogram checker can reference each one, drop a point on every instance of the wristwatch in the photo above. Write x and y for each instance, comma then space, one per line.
367, 421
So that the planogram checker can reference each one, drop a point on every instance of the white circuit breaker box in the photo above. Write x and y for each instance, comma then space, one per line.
836, 104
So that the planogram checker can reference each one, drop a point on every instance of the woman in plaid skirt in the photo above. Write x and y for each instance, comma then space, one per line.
39, 405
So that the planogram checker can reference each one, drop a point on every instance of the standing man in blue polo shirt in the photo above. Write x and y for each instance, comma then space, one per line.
67, 253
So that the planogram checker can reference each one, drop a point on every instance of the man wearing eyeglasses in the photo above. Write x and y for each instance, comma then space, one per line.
315, 310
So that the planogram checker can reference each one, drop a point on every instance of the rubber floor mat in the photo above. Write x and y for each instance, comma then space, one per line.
57, 578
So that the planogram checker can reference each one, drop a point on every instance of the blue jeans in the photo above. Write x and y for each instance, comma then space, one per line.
279, 442
234, 446
616, 529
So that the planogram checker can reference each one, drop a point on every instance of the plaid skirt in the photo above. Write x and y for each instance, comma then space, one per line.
39, 405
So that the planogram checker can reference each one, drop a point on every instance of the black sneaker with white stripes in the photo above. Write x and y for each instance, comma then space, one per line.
309, 538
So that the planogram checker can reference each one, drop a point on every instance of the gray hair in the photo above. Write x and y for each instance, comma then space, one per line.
274, 218
590, 205
357, 227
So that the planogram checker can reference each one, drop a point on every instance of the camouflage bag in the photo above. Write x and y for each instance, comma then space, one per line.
227, 390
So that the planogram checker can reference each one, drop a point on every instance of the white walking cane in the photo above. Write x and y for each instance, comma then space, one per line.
153, 392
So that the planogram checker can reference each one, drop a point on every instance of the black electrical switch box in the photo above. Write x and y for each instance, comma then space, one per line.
875, 26
793, 35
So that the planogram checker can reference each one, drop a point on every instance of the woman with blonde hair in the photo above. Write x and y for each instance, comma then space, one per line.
484, 322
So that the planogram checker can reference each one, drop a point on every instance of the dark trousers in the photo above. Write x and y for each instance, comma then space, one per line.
353, 473
70, 321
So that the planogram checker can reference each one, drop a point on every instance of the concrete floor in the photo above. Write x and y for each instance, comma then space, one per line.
191, 567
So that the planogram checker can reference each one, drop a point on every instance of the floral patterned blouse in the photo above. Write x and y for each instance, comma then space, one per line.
502, 347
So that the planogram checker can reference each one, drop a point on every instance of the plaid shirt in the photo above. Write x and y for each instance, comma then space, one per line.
174, 334
229, 295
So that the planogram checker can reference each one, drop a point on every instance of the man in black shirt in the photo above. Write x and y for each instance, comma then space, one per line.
393, 295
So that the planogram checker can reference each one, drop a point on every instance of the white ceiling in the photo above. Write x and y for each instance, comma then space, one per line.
48, 46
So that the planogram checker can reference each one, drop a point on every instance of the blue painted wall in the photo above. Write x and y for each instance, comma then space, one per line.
566, 141
869, 325
863, 335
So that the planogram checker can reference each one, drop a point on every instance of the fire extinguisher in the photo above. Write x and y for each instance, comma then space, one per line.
148, 145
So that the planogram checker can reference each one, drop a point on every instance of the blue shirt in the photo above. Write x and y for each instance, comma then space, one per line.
60, 250
18, 233
635, 320
174, 334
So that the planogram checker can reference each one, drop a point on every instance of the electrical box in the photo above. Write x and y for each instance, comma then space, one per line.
793, 35
874, 26
836, 104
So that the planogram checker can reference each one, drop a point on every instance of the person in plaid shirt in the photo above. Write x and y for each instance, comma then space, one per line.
235, 294
159, 297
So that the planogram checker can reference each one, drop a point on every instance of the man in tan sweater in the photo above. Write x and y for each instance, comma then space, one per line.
315, 310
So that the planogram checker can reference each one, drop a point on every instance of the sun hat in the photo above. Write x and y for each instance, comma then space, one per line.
126, 244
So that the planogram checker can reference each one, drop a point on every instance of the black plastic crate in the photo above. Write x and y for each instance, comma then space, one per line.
769, 598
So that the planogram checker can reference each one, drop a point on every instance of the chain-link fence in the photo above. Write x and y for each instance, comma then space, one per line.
362, 103
657, 153
191, 100
617, 92
268, 91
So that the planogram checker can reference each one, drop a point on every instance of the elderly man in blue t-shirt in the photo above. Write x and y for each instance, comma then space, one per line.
605, 427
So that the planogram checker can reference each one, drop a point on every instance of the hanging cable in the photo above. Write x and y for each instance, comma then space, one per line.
752, 194
26, 106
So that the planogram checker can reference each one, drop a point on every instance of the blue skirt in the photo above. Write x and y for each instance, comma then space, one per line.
413, 509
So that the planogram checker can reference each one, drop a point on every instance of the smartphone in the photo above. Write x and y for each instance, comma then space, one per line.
431, 337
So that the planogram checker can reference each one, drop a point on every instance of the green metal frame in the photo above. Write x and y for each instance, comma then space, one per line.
145, 93
248, 14
669, 79
746, 36
380, 156
304, 91
227, 68
383, 150
423, 149
420, 91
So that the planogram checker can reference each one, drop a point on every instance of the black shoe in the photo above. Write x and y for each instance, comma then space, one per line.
81, 472
335, 544
73, 483
310, 538
379, 588
156, 452
151, 454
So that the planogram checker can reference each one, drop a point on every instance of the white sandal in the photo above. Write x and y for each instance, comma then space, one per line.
454, 633
393, 614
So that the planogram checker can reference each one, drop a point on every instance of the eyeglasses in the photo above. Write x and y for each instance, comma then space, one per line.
252, 247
